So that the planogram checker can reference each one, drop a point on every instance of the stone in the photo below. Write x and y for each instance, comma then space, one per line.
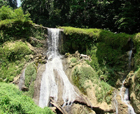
77, 54
24, 88
118, 83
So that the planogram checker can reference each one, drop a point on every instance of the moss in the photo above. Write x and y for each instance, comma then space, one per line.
81, 39
80, 75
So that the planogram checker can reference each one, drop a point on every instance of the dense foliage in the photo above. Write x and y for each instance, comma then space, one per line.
14, 52
12, 101
115, 15
12, 59
11, 3
108, 50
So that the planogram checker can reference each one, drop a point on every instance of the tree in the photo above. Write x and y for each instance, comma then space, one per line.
3, 3
13, 3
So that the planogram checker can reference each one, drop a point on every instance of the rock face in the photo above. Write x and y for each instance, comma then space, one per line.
133, 84
88, 100
41, 69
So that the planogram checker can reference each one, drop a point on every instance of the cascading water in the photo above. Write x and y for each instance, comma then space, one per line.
54, 70
125, 98
129, 61
22, 79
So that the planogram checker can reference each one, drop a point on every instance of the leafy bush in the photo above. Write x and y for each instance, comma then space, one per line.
12, 101
3, 2
12, 59
73, 60
11, 69
6, 12
80, 75
30, 77
13, 24
16, 50
104, 92
30, 74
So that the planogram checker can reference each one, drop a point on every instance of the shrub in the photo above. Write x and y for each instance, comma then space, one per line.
12, 59
6, 12
30, 74
12, 101
30, 77
80, 75
73, 60
16, 50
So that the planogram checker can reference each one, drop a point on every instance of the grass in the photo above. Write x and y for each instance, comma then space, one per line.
12, 101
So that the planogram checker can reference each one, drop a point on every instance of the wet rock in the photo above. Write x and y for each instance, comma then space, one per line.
80, 109
128, 80
118, 83
24, 88
85, 57
77, 54
40, 70
67, 55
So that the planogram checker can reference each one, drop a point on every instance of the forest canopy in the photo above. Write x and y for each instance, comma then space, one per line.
114, 15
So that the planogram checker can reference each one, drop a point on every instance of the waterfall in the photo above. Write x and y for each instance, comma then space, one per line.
22, 79
129, 61
125, 98
54, 75
115, 102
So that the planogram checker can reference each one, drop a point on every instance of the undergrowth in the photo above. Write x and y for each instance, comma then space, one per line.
12, 101
12, 59
103, 90
30, 77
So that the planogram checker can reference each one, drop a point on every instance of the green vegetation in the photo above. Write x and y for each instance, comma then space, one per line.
80, 75
30, 77
136, 41
83, 39
12, 101
73, 60
12, 59
114, 15
137, 84
13, 24
103, 90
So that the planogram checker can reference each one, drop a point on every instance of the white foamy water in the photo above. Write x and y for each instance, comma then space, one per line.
130, 56
116, 103
49, 87
125, 99
125, 95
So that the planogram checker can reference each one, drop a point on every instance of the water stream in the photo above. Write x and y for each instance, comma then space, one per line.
54, 79
125, 98
22, 79
125, 95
